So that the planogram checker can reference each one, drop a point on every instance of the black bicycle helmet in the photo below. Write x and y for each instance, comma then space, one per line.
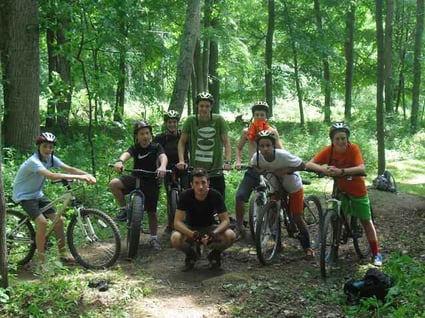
266, 134
337, 127
260, 105
139, 125
171, 114
204, 96
45, 137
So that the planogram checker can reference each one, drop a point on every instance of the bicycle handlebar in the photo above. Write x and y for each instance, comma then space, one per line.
140, 170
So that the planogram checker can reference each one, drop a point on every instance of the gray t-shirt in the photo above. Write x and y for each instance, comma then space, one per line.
28, 183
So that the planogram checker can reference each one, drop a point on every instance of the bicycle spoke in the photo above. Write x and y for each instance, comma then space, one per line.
94, 239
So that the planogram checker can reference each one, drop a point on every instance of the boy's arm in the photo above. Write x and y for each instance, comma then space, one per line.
74, 174
227, 150
163, 160
184, 137
239, 148
119, 164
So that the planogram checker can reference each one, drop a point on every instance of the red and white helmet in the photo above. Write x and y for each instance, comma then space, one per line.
45, 137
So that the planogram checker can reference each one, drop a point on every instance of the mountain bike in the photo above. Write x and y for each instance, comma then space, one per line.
93, 237
336, 229
135, 211
174, 188
275, 212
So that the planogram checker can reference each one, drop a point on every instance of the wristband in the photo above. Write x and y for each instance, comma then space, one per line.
227, 163
120, 160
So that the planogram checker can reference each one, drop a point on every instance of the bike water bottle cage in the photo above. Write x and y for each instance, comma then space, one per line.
260, 105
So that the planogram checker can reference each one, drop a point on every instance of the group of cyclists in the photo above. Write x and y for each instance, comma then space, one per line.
201, 216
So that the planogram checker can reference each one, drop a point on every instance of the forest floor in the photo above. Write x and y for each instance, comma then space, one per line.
154, 285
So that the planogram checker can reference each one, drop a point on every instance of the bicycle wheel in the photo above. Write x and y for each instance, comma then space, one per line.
134, 228
20, 238
312, 214
253, 212
329, 243
267, 234
94, 239
360, 241
172, 205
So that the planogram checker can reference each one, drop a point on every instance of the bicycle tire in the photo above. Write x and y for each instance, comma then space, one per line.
172, 206
312, 214
329, 243
267, 234
20, 238
360, 241
253, 212
134, 228
94, 242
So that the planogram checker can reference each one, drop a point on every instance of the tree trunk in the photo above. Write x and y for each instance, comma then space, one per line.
187, 48
21, 90
120, 92
3, 246
269, 55
206, 45
380, 87
325, 61
287, 18
417, 66
349, 58
388, 56
213, 81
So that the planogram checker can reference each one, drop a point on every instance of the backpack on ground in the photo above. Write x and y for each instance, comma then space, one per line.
385, 182
374, 284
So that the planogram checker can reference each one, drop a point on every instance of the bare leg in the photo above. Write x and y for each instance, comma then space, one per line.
40, 237
117, 187
153, 223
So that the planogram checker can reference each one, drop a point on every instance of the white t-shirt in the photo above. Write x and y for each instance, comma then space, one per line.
283, 159
28, 183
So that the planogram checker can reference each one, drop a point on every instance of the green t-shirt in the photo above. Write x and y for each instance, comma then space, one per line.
205, 144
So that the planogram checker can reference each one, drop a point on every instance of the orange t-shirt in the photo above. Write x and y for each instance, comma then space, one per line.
351, 157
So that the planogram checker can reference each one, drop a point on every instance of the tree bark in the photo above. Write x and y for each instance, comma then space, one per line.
349, 59
213, 78
380, 87
388, 56
269, 55
325, 61
187, 48
21, 60
417, 65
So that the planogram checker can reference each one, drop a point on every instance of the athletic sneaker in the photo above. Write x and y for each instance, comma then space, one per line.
122, 215
377, 259
155, 244
214, 257
190, 261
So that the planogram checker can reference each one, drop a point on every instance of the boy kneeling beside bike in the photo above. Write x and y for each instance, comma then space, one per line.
195, 225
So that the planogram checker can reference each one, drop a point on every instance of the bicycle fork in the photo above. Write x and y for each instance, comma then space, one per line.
86, 226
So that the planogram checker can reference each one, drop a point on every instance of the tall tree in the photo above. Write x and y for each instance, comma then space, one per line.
269, 55
380, 86
388, 56
57, 20
417, 65
213, 78
349, 58
325, 62
21, 69
187, 48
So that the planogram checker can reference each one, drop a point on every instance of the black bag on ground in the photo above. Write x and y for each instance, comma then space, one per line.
374, 284
385, 182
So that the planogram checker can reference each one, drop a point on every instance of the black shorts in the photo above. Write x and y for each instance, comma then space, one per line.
150, 189
33, 206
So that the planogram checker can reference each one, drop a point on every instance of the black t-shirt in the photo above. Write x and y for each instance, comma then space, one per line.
146, 158
201, 213
170, 145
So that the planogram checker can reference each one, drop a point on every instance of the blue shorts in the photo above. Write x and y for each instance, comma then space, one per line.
250, 180
33, 206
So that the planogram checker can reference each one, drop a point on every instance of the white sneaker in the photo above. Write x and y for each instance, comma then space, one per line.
377, 259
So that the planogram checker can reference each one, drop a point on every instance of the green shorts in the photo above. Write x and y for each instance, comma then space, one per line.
358, 207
